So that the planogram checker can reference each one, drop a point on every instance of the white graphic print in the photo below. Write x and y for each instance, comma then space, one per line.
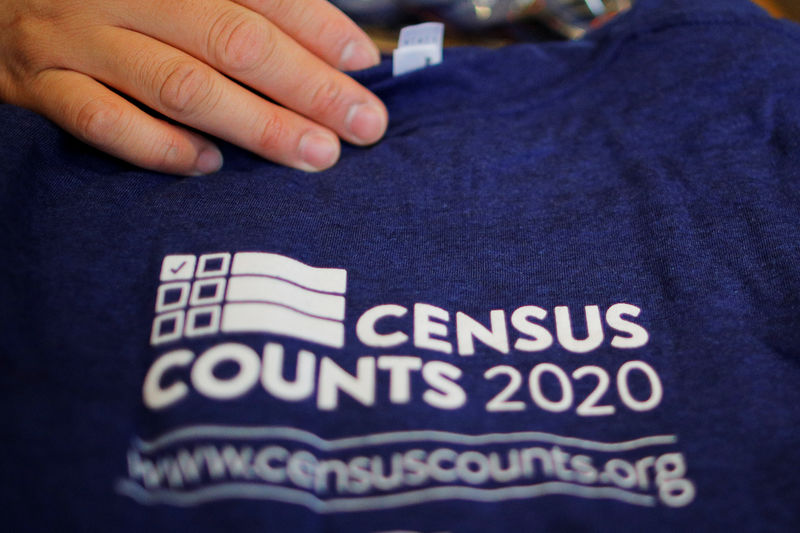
210, 295
198, 464
253, 292
178, 267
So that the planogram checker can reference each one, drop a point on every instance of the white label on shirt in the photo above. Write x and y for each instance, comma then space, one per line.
418, 47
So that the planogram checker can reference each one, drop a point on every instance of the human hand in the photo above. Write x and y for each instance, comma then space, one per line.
184, 59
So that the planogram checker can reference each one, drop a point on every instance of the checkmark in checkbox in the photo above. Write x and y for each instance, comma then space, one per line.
178, 267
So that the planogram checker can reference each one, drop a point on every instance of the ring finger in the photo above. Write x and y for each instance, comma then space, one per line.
191, 92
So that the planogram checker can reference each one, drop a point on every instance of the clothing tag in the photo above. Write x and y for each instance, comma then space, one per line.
419, 46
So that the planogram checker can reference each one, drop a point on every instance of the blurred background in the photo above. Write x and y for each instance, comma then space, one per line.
499, 22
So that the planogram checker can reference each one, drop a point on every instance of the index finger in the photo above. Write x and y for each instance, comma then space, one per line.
321, 28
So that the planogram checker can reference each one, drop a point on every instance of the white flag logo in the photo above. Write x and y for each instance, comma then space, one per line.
253, 292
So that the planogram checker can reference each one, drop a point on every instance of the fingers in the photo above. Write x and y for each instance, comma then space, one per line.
246, 46
189, 91
103, 119
208, 64
321, 28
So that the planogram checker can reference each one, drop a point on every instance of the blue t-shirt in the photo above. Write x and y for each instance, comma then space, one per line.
563, 293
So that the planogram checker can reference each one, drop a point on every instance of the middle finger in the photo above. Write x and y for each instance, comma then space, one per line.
247, 47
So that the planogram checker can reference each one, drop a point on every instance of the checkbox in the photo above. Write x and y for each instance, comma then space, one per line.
178, 267
207, 291
203, 321
167, 327
172, 296
212, 265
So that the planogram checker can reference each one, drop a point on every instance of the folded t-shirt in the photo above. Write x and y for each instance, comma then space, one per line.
562, 294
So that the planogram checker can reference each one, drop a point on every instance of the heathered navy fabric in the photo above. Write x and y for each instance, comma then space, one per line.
656, 163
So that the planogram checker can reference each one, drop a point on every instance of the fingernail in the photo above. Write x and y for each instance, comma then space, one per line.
357, 56
209, 161
366, 122
318, 151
